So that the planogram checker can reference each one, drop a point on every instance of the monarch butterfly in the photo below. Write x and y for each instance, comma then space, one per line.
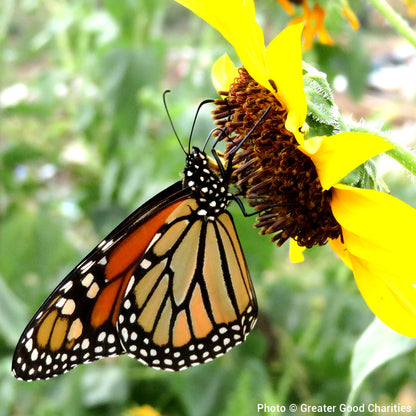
169, 286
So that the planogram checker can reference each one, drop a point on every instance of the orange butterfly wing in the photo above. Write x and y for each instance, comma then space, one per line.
77, 323
191, 298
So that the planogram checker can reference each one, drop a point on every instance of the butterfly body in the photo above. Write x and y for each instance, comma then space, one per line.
211, 193
169, 287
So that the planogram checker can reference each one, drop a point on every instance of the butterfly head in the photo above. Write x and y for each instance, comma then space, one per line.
209, 189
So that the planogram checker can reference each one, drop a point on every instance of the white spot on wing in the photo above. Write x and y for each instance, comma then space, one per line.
103, 261
154, 239
87, 280
101, 336
67, 286
87, 266
69, 307
145, 264
93, 290
125, 334
34, 355
107, 245
61, 302
129, 285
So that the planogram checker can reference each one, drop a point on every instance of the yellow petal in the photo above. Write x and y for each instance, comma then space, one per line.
378, 232
341, 250
223, 73
390, 294
367, 248
236, 21
386, 281
296, 252
336, 156
284, 64
375, 215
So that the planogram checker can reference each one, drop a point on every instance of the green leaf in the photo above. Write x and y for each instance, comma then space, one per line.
98, 384
248, 390
323, 115
6, 13
34, 248
364, 176
8, 388
13, 314
377, 345
124, 73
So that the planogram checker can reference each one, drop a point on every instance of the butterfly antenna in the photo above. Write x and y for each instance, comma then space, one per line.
171, 122
218, 137
207, 101
235, 150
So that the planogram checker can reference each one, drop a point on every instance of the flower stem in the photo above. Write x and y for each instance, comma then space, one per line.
405, 157
395, 20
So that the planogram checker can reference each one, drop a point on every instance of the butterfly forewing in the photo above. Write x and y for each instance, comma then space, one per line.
191, 298
62, 333
77, 323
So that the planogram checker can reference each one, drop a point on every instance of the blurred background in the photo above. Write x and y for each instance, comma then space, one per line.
84, 140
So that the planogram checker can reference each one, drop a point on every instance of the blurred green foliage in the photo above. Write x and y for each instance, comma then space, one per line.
84, 140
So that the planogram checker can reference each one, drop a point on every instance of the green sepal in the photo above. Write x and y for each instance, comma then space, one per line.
323, 116
365, 176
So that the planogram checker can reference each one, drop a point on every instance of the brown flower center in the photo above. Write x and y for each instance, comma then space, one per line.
272, 173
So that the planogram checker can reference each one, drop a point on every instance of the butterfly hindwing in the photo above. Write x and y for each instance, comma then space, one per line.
190, 299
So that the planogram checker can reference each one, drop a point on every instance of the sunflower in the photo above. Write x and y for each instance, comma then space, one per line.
302, 186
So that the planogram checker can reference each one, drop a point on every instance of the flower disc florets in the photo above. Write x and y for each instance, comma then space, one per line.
276, 177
